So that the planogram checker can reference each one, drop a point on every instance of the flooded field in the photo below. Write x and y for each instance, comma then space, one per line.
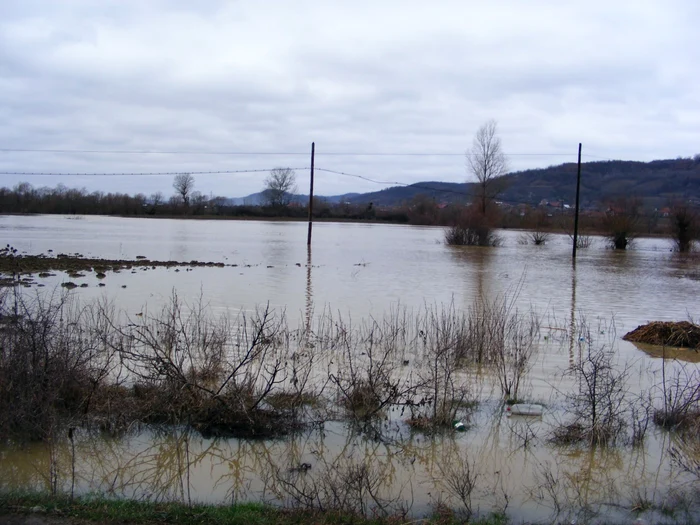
395, 278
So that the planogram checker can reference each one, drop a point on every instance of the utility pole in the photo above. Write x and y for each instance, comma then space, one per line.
311, 195
578, 193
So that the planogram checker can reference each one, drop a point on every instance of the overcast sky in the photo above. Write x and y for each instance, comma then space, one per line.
196, 79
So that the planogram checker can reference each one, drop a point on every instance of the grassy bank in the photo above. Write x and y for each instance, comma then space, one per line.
41, 508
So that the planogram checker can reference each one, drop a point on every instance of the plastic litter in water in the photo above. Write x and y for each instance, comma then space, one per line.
525, 409
458, 425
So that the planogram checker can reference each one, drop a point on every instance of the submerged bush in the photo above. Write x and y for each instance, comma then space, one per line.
250, 376
472, 229
680, 393
621, 223
685, 226
210, 373
54, 359
599, 405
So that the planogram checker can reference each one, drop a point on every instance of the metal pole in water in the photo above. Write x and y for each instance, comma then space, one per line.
578, 193
311, 195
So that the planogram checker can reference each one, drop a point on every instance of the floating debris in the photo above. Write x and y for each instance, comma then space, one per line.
525, 409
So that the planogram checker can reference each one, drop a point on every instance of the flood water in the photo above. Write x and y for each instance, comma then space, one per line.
363, 270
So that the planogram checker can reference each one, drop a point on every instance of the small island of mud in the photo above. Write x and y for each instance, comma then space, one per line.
15, 268
682, 334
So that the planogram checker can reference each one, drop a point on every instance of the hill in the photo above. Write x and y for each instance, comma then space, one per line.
656, 183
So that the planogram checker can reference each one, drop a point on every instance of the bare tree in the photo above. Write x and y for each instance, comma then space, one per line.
157, 198
184, 184
487, 162
280, 185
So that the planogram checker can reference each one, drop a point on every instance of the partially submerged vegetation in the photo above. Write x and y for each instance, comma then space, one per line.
65, 364
76, 370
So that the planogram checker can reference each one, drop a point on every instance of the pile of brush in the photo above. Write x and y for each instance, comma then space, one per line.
682, 334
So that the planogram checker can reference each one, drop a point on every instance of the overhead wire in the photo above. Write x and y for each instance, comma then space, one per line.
132, 174
419, 186
270, 153
267, 170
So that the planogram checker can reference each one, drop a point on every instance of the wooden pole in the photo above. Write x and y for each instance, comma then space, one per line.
578, 193
311, 195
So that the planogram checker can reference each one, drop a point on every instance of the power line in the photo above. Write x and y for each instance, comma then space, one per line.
144, 174
270, 153
597, 157
147, 152
362, 177
266, 170
418, 186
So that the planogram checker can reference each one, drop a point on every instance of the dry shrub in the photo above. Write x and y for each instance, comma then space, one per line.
53, 360
538, 234
441, 344
685, 452
210, 373
472, 228
538, 238
503, 338
680, 393
369, 377
599, 404
583, 240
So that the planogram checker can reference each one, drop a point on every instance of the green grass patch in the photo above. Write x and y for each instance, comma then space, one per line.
101, 510
60, 510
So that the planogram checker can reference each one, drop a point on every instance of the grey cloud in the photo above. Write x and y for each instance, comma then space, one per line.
354, 77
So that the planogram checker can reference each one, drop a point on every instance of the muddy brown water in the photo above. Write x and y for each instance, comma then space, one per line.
363, 270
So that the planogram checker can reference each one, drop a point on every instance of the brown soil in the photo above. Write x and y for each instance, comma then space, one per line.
682, 334
22, 266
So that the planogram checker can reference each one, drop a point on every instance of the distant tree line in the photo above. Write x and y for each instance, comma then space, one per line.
621, 219
25, 198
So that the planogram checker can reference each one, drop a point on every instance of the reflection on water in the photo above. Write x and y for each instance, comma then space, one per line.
492, 466
572, 319
309, 290
362, 270
680, 354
